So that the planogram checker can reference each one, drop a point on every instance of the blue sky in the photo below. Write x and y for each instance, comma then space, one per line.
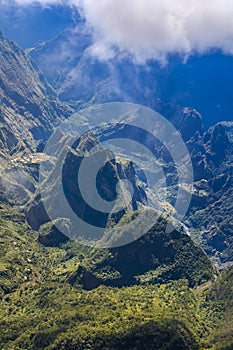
28, 25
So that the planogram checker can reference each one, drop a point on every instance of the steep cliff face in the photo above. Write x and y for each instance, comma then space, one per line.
28, 105
77, 75
106, 182
29, 110
57, 56
210, 216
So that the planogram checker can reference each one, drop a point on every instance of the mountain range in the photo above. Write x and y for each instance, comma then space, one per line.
201, 82
164, 290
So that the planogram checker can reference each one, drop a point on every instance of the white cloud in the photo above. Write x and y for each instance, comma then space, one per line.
154, 28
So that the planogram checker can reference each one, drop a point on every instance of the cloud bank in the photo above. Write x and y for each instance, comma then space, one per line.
150, 29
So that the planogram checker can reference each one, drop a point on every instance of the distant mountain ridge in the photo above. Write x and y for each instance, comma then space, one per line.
201, 82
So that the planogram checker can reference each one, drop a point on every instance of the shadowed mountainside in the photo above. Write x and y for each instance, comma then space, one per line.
29, 108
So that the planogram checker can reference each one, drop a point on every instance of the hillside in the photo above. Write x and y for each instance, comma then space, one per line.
29, 107
41, 309
29, 111
157, 257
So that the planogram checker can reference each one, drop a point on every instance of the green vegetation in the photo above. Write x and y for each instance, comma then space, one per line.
221, 294
58, 316
40, 309
157, 257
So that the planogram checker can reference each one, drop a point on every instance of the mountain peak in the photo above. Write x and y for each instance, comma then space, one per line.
1, 35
